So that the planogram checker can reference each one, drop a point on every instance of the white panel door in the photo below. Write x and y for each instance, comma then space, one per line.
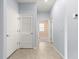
26, 32
72, 29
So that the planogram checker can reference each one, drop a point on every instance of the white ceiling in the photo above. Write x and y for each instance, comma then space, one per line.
41, 4
26, 1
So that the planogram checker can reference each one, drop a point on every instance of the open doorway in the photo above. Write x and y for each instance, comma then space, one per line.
44, 31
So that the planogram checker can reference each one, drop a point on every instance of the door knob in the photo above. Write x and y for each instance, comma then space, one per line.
31, 33
7, 35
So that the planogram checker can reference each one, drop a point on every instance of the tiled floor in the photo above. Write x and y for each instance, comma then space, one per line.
45, 51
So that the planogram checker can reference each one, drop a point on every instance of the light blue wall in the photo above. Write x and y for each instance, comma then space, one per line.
42, 16
58, 20
27, 9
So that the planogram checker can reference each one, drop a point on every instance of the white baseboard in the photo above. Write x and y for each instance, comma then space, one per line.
58, 52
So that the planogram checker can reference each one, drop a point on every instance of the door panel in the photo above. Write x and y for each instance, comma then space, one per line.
26, 32
72, 29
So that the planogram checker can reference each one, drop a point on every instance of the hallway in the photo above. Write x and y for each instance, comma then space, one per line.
45, 51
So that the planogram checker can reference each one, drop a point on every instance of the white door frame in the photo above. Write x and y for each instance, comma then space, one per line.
49, 28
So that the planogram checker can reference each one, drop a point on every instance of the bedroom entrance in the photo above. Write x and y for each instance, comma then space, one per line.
44, 31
